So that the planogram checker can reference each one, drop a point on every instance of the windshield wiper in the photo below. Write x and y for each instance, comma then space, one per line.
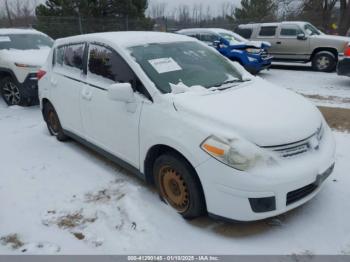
221, 85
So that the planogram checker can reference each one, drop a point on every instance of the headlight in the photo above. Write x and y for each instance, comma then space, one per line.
236, 153
253, 50
26, 66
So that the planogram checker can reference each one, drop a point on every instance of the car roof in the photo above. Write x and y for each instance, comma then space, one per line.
203, 30
271, 24
21, 31
127, 38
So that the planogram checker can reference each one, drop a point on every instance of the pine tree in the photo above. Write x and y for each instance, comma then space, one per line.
256, 11
61, 18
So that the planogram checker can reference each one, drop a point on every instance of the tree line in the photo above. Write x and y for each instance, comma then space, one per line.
66, 17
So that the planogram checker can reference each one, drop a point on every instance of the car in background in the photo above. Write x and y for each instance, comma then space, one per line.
22, 53
344, 64
298, 42
253, 56
211, 137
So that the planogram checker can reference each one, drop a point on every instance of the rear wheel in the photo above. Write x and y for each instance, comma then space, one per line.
178, 185
324, 62
53, 122
11, 92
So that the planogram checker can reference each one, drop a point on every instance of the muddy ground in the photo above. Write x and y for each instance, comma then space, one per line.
337, 118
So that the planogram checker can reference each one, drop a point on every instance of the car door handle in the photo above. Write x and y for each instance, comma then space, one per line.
279, 43
87, 95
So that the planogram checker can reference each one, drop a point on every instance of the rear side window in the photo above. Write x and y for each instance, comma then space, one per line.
290, 31
268, 31
70, 56
245, 32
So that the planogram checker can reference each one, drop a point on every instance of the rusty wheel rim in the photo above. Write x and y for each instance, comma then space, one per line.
53, 122
174, 189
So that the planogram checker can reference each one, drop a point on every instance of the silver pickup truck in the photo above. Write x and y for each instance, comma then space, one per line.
298, 42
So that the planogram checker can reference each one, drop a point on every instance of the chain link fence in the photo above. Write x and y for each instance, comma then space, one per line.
58, 27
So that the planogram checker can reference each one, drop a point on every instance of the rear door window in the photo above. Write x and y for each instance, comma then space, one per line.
73, 56
106, 67
267, 31
70, 57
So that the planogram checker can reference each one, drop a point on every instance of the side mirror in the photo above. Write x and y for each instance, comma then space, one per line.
301, 37
121, 92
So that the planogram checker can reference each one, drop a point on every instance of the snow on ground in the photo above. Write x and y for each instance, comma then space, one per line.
60, 198
326, 89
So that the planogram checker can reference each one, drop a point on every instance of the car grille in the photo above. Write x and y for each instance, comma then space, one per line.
300, 147
264, 55
300, 193
293, 149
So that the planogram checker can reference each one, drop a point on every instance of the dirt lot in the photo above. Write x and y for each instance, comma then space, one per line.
337, 118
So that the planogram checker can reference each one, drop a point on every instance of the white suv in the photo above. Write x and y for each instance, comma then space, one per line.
22, 53
178, 114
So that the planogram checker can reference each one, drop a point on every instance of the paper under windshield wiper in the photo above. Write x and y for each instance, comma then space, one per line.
226, 83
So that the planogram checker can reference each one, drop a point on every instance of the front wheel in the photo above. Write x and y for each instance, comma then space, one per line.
178, 185
324, 62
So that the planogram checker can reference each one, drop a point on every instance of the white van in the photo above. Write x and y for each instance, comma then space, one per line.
211, 137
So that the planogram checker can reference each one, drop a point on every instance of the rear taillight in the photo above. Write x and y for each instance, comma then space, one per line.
347, 50
40, 74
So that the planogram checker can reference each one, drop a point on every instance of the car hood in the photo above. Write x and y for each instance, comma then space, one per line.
333, 37
248, 44
259, 111
29, 57
259, 44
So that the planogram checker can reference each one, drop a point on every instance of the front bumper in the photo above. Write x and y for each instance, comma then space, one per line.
30, 88
235, 195
344, 67
256, 63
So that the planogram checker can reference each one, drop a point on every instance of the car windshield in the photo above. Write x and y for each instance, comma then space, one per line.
311, 30
188, 64
25, 41
232, 37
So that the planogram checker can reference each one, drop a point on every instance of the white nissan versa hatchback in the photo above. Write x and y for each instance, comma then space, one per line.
211, 137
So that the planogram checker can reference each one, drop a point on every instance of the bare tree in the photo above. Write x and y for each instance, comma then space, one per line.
157, 10
8, 13
344, 21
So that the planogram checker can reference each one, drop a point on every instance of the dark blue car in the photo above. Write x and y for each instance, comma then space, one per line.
253, 56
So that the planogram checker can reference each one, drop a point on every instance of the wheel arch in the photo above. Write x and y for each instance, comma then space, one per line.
4, 72
332, 50
156, 151
44, 102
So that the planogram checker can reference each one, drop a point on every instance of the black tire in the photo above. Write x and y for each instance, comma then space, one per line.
53, 122
179, 186
324, 61
11, 92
